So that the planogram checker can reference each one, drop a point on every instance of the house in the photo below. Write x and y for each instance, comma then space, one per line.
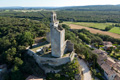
110, 67
116, 66
108, 47
106, 64
98, 51
107, 43
31, 77
108, 72
117, 77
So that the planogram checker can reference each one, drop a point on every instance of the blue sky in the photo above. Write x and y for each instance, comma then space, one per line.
55, 3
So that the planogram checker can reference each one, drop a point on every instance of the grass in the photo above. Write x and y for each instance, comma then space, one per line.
100, 26
115, 30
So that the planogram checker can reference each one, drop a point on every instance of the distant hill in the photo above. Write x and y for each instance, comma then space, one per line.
75, 8
93, 8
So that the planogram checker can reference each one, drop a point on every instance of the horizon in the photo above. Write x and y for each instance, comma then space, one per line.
54, 6
55, 3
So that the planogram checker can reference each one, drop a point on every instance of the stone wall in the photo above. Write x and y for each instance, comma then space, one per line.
48, 37
70, 46
50, 61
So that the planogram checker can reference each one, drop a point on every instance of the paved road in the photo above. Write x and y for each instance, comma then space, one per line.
85, 69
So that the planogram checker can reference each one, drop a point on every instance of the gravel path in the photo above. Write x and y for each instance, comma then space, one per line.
85, 69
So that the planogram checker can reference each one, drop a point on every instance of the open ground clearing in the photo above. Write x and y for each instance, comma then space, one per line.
73, 26
101, 26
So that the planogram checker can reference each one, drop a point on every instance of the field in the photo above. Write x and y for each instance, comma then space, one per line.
95, 31
115, 30
100, 26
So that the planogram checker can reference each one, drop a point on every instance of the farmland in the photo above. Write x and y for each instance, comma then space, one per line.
115, 30
100, 26
95, 31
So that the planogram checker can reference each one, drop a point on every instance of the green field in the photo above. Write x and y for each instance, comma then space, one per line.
91, 24
115, 30
100, 26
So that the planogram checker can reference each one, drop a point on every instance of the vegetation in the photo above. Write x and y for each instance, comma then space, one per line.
115, 30
18, 30
68, 72
100, 26
15, 35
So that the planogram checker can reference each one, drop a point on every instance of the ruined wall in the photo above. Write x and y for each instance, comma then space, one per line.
48, 37
70, 46
50, 61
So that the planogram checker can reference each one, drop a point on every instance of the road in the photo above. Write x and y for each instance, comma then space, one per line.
85, 69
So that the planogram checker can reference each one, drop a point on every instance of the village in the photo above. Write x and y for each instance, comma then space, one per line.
110, 65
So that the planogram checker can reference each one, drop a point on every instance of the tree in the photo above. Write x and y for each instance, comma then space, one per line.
97, 40
87, 55
18, 61
84, 38
57, 75
9, 55
94, 58
26, 37
4, 44
16, 74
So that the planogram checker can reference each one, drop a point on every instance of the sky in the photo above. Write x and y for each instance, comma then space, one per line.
55, 3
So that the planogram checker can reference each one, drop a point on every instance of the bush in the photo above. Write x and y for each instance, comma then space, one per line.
108, 28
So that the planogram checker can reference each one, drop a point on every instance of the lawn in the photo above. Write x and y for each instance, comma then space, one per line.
91, 24
115, 30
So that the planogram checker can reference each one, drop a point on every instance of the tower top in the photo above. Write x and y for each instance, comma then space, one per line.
54, 13
53, 17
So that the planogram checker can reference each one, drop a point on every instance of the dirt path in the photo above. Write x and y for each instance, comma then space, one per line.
73, 26
85, 69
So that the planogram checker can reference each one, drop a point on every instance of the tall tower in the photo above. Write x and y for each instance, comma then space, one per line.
57, 37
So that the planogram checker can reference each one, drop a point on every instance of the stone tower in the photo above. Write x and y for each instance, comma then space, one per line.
57, 34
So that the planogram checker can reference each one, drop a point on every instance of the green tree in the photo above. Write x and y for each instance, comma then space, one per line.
9, 55
87, 55
27, 37
97, 40
84, 38
16, 74
18, 61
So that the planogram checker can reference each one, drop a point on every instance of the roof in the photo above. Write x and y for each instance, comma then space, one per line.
107, 69
107, 43
117, 77
109, 46
116, 66
110, 62
33, 78
98, 51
